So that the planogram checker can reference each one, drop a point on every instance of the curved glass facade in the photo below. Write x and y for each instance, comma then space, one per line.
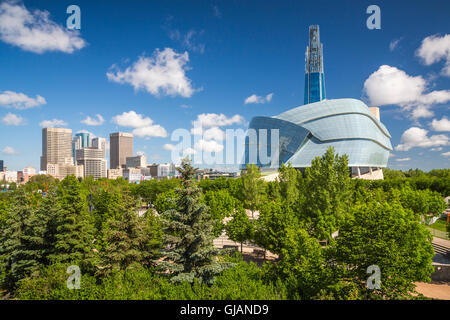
307, 131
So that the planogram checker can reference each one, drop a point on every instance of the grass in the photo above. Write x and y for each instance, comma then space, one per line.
440, 224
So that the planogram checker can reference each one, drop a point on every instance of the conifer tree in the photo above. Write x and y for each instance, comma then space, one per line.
189, 252
128, 240
21, 242
74, 233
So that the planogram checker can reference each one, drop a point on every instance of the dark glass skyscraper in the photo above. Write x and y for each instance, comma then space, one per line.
314, 75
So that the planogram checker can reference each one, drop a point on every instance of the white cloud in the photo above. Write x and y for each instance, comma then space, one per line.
11, 99
169, 147
441, 125
161, 74
132, 119
214, 133
258, 99
140, 153
402, 159
417, 137
206, 120
436, 149
208, 146
391, 86
92, 121
394, 44
446, 154
12, 119
143, 126
52, 123
435, 48
9, 151
34, 31
150, 131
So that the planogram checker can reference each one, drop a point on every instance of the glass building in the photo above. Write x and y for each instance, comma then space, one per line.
314, 75
305, 132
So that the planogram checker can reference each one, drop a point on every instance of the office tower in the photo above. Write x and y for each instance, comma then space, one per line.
1, 165
85, 139
99, 143
136, 162
56, 147
93, 159
121, 147
314, 74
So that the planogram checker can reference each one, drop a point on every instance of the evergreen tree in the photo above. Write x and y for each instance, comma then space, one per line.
75, 231
128, 240
189, 252
21, 242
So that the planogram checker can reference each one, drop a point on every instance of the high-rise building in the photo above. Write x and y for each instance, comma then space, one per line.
93, 159
121, 147
136, 162
85, 139
314, 74
56, 147
1, 165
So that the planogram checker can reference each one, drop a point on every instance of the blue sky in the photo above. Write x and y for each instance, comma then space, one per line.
215, 55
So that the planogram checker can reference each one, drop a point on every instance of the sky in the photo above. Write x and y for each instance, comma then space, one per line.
152, 67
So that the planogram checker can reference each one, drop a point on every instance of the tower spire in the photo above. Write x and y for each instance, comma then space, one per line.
314, 74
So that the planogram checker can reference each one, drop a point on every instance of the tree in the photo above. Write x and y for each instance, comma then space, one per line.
22, 240
221, 205
189, 252
289, 183
327, 183
240, 228
128, 240
388, 236
252, 187
75, 231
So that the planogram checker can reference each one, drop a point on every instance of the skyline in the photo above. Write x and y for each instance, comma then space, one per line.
151, 68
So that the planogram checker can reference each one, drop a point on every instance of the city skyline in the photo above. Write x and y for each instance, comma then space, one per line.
205, 63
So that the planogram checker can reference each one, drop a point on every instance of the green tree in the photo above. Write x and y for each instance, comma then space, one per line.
388, 236
128, 239
240, 228
189, 252
75, 230
22, 240
221, 205
327, 185
252, 188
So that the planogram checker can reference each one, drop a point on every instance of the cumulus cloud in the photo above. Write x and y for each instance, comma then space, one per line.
434, 49
9, 151
391, 86
436, 149
446, 154
17, 100
150, 131
96, 121
417, 137
208, 146
161, 74
258, 99
52, 123
35, 31
143, 126
440, 125
206, 120
12, 119
214, 133
132, 119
